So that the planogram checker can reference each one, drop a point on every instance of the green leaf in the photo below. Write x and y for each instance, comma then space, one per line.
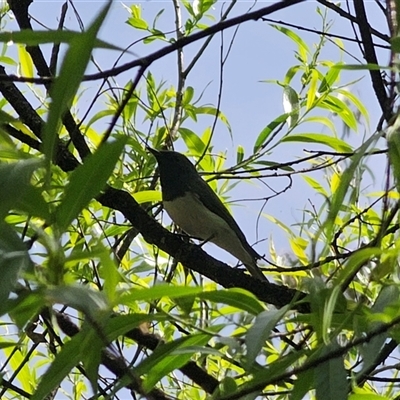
331, 305
356, 67
147, 196
302, 47
25, 307
298, 248
259, 332
109, 272
17, 361
360, 106
215, 112
264, 375
315, 185
138, 23
68, 357
353, 264
67, 83
291, 72
368, 396
239, 298
14, 183
339, 107
14, 259
34, 38
291, 105
91, 353
312, 90
87, 181
136, 10
346, 178
371, 350
331, 377
98, 116
192, 141
331, 77
4, 345
32, 203
25, 61
322, 120
93, 304
156, 292
167, 358
202, 6
188, 95
332, 142
302, 385
279, 223
239, 154
264, 134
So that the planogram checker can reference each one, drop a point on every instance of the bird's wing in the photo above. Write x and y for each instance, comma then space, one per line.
213, 203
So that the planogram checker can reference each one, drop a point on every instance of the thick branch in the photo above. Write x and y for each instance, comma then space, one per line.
370, 58
150, 341
20, 10
193, 257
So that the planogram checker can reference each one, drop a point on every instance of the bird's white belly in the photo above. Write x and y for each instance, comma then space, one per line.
196, 220
191, 216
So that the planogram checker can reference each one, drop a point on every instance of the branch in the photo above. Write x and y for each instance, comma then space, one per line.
387, 349
352, 18
193, 257
185, 41
31, 118
150, 341
370, 58
20, 10
321, 33
313, 362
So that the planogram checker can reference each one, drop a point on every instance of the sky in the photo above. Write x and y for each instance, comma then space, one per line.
258, 53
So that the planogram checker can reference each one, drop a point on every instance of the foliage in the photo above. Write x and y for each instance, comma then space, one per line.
92, 281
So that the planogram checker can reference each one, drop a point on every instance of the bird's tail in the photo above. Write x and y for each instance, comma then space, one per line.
255, 271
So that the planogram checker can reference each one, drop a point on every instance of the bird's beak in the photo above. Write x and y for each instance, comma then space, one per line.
153, 151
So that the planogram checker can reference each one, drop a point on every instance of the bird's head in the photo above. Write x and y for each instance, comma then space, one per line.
177, 173
173, 164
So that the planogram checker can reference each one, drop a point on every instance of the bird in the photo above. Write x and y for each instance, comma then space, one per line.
197, 210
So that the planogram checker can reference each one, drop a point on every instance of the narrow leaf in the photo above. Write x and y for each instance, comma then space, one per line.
166, 359
34, 38
87, 181
14, 258
14, 183
331, 377
346, 178
66, 359
67, 83
156, 292
260, 331
239, 298
332, 142
264, 134
312, 90
291, 105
